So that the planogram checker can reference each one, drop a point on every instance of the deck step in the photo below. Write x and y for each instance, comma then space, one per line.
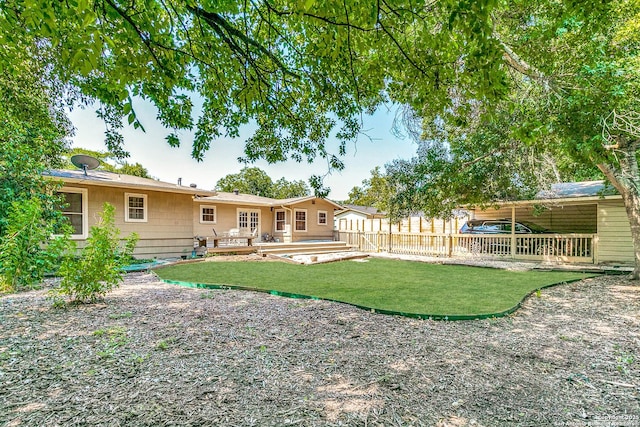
303, 248
305, 251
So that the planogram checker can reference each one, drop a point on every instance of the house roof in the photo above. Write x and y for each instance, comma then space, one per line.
367, 210
250, 199
110, 179
567, 192
564, 190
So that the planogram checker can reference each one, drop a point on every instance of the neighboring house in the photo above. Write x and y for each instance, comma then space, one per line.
168, 216
350, 216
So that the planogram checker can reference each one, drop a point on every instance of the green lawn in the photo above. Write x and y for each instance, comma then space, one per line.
381, 284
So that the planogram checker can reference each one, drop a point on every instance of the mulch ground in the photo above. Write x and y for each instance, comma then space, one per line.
154, 354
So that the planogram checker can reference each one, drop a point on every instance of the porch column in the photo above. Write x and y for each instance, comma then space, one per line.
513, 231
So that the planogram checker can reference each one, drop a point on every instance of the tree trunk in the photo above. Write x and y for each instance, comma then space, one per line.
632, 205
626, 180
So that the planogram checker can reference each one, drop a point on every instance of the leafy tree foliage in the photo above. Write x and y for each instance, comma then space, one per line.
248, 181
135, 169
99, 269
283, 189
374, 191
299, 70
256, 181
33, 128
570, 109
32, 137
27, 248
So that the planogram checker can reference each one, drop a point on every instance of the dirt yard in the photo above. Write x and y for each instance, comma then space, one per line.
162, 355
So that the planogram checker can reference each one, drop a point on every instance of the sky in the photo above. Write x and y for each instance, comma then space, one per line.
166, 163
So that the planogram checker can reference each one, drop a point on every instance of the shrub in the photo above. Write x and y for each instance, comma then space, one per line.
28, 247
99, 268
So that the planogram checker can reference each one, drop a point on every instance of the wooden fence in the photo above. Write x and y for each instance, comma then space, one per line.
570, 248
414, 224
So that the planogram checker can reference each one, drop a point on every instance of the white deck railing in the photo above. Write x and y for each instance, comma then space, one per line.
577, 248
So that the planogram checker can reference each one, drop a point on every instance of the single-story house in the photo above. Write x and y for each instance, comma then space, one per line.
168, 217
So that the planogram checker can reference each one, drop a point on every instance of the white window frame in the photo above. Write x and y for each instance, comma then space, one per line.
85, 212
295, 220
326, 218
256, 214
215, 214
284, 220
145, 205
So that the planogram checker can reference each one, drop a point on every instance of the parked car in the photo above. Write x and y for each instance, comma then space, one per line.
501, 245
501, 226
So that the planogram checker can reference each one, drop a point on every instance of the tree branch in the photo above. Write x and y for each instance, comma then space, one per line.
218, 23
145, 39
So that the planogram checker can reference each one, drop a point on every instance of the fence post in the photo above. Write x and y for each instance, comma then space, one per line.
449, 245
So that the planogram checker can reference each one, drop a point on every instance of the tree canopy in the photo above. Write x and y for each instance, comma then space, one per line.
33, 131
299, 71
570, 109
374, 191
256, 181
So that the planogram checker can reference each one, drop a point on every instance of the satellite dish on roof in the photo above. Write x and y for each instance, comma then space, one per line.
85, 162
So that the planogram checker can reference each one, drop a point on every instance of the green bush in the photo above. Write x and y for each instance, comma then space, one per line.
28, 246
99, 269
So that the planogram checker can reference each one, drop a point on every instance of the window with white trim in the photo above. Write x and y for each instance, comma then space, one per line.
135, 206
207, 214
301, 219
280, 220
74, 208
322, 217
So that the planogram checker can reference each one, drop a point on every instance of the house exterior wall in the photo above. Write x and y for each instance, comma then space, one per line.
168, 230
227, 218
314, 230
614, 233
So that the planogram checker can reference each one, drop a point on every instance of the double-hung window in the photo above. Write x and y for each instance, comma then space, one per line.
301, 219
280, 220
74, 208
135, 207
322, 217
207, 214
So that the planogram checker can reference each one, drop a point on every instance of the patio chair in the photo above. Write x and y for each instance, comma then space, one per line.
234, 232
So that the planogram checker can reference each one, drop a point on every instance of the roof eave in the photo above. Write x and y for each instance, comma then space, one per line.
132, 186
588, 199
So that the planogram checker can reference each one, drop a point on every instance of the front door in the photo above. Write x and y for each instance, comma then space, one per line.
249, 221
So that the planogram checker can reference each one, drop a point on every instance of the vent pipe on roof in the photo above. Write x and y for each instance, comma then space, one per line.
236, 191
193, 185
179, 181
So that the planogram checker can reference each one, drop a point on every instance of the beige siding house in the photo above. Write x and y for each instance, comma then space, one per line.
160, 212
168, 217
282, 220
